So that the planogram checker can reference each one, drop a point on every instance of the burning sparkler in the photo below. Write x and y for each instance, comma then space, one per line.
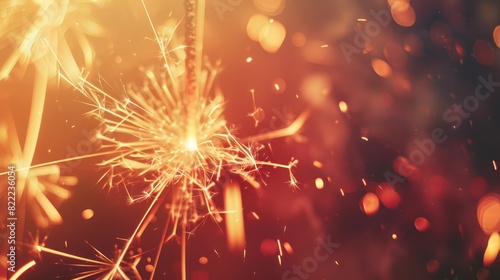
167, 142
150, 151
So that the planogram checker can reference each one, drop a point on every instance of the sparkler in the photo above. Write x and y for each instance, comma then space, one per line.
37, 186
44, 30
39, 190
150, 151
168, 143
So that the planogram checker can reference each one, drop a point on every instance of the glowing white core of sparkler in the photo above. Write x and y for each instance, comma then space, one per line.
191, 145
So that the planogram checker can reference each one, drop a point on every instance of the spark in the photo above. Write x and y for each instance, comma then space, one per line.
494, 165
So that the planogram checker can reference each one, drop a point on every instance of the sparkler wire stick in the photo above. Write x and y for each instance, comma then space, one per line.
191, 87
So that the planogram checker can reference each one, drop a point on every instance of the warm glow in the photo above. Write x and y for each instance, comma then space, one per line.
269, 247
279, 86
255, 25
491, 252
381, 68
496, 35
343, 107
370, 204
388, 196
288, 248
488, 213
315, 89
400, 5
270, 7
203, 260
87, 214
235, 228
191, 144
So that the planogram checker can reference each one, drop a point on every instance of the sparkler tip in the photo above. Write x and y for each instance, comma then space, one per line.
191, 144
